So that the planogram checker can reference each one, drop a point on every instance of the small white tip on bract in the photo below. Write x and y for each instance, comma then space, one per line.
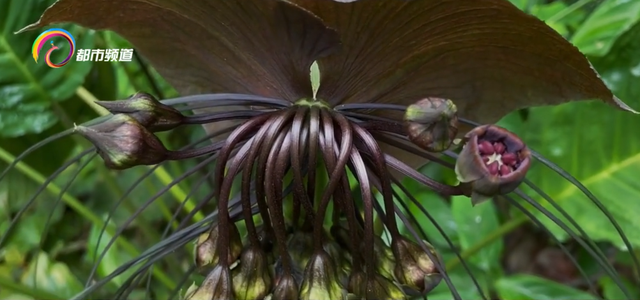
623, 105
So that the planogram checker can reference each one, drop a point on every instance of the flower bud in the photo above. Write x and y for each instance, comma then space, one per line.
432, 123
217, 285
493, 161
300, 247
206, 250
384, 258
286, 288
123, 142
147, 110
341, 259
374, 287
414, 268
251, 280
321, 279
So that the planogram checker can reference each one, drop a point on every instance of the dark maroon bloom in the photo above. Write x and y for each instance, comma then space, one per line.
493, 161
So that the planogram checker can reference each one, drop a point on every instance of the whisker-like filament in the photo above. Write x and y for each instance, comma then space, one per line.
227, 100
40, 189
141, 209
595, 253
57, 202
419, 205
562, 247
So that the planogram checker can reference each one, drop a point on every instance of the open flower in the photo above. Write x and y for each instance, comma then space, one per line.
243, 65
494, 161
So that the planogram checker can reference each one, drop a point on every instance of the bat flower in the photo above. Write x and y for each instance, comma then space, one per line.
307, 175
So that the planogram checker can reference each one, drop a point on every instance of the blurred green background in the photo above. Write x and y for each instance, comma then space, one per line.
51, 252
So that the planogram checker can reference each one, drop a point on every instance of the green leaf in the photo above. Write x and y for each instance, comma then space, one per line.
29, 89
51, 276
611, 290
474, 224
596, 144
114, 258
436, 207
464, 285
609, 21
527, 287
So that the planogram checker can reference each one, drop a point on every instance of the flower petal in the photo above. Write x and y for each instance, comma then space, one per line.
487, 56
255, 47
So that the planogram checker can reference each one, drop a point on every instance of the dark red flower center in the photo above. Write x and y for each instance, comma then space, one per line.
497, 158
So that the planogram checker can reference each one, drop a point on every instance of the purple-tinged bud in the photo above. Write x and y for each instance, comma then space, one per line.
149, 112
285, 288
494, 161
206, 250
251, 279
432, 123
414, 269
123, 142
321, 279
217, 285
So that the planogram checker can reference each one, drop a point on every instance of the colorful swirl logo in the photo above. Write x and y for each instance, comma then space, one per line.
47, 35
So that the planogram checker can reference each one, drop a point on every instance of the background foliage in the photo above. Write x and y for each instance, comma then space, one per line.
51, 252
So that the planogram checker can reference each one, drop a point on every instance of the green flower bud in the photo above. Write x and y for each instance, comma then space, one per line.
147, 110
122, 142
384, 258
432, 123
206, 250
217, 285
374, 287
414, 268
300, 247
341, 259
251, 280
493, 161
321, 279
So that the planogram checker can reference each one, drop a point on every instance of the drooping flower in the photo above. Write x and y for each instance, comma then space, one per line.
387, 68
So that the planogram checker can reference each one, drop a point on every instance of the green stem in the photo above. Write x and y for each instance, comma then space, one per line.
27, 290
568, 10
82, 210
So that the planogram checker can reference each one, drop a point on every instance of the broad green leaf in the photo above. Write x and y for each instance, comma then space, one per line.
611, 290
29, 90
51, 276
611, 19
527, 287
474, 224
597, 145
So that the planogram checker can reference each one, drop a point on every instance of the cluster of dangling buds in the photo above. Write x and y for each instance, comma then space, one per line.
493, 161
403, 268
